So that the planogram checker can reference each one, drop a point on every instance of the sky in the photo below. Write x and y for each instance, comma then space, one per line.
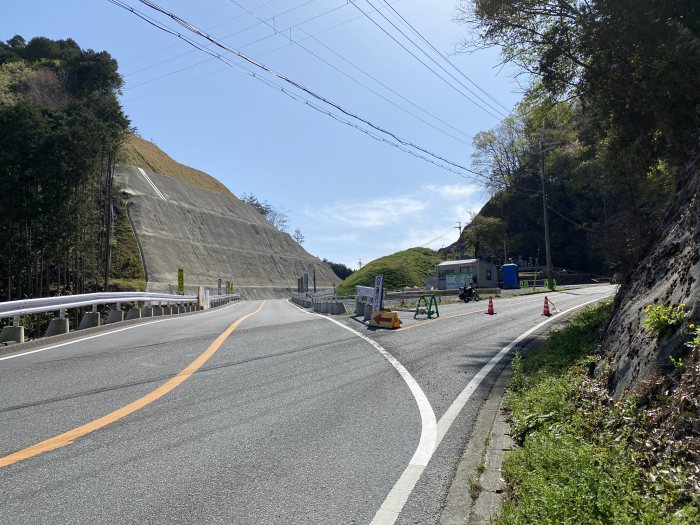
354, 198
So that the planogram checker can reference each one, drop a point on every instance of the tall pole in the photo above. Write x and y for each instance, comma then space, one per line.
548, 250
459, 240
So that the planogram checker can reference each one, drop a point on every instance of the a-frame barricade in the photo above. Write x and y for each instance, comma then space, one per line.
428, 308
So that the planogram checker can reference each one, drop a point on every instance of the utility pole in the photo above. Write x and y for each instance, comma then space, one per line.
459, 240
548, 250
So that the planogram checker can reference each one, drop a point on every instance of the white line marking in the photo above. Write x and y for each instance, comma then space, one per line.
389, 512
148, 179
456, 407
396, 499
102, 334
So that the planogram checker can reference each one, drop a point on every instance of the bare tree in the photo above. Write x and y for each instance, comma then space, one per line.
298, 236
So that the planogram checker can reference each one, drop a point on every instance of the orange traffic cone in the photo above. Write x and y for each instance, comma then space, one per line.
490, 310
546, 307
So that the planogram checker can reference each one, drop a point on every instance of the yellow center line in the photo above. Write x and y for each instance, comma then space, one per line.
68, 437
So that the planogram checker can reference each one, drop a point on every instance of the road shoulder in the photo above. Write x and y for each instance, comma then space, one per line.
476, 493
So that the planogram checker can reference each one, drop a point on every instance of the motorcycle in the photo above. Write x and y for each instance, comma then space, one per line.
469, 293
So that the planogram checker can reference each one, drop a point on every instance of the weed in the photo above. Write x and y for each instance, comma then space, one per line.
475, 488
695, 342
678, 363
480, 468
585, 458
659, 320
517, 383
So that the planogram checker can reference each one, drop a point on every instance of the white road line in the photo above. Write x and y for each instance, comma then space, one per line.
389, 512
398, 496
456, 407
102, 334
148, 179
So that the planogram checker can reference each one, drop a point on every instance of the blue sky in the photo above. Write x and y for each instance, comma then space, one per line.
353, 197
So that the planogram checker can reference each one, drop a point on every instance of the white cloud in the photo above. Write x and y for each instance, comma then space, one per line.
373, 213
340, 237
455, 191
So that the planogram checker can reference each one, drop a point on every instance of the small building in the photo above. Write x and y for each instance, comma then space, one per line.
453, 274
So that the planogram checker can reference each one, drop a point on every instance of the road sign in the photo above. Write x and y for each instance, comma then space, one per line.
377, 302
181, 281
218, 286
385, 320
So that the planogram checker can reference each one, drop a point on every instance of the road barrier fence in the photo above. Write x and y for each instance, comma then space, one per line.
154, 304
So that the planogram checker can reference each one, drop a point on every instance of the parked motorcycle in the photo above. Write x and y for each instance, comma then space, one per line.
469, 293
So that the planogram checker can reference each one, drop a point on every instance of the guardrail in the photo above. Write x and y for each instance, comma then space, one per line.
64, 302
154, 304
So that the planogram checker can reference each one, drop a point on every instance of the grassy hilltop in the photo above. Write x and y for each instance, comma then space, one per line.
406, 268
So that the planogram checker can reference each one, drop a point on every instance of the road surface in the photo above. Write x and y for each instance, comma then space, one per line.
257, 412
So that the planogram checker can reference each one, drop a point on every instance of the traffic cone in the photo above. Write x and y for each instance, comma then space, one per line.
546, 307
490, 310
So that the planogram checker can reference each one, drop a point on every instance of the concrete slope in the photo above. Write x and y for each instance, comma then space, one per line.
211, 235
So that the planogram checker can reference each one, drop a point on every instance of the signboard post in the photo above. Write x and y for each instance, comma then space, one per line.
218, 286
377, 301
181, 281
306, 282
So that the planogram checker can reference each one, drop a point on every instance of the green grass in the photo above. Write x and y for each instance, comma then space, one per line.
143, 154
127, 269
578, 462
406, 268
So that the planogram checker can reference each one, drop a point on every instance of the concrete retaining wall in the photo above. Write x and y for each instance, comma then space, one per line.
210, 236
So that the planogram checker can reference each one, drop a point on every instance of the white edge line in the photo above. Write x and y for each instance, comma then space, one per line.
398, 495
102, 334
456, 407
389, 512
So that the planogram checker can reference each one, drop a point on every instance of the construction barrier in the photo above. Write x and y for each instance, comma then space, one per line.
428, 308
385, 319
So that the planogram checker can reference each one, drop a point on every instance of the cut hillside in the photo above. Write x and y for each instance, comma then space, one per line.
406, 268
669, 275
140, 153
187, 219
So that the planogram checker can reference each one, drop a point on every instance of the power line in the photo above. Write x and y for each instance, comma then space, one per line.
436, 238
174, 44
388, 88
499, 114
355, 80
346, 115
444, 57
238, 32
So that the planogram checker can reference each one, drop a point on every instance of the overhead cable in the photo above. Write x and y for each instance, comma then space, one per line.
494, 112
388, 4
347, 117
356, 81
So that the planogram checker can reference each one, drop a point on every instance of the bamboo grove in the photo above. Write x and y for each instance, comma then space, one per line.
60, 128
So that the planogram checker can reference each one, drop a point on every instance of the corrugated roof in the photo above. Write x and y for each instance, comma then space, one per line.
462, 261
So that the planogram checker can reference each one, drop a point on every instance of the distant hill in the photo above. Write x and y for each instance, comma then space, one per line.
140, 153
406, 268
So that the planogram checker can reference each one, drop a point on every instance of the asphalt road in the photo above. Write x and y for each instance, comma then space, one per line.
291, 418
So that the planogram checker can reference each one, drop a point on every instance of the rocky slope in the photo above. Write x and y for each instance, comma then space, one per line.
670, 274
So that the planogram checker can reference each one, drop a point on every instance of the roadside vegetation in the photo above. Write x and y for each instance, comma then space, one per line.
405, 268
585, 458
609, 118
61, 125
